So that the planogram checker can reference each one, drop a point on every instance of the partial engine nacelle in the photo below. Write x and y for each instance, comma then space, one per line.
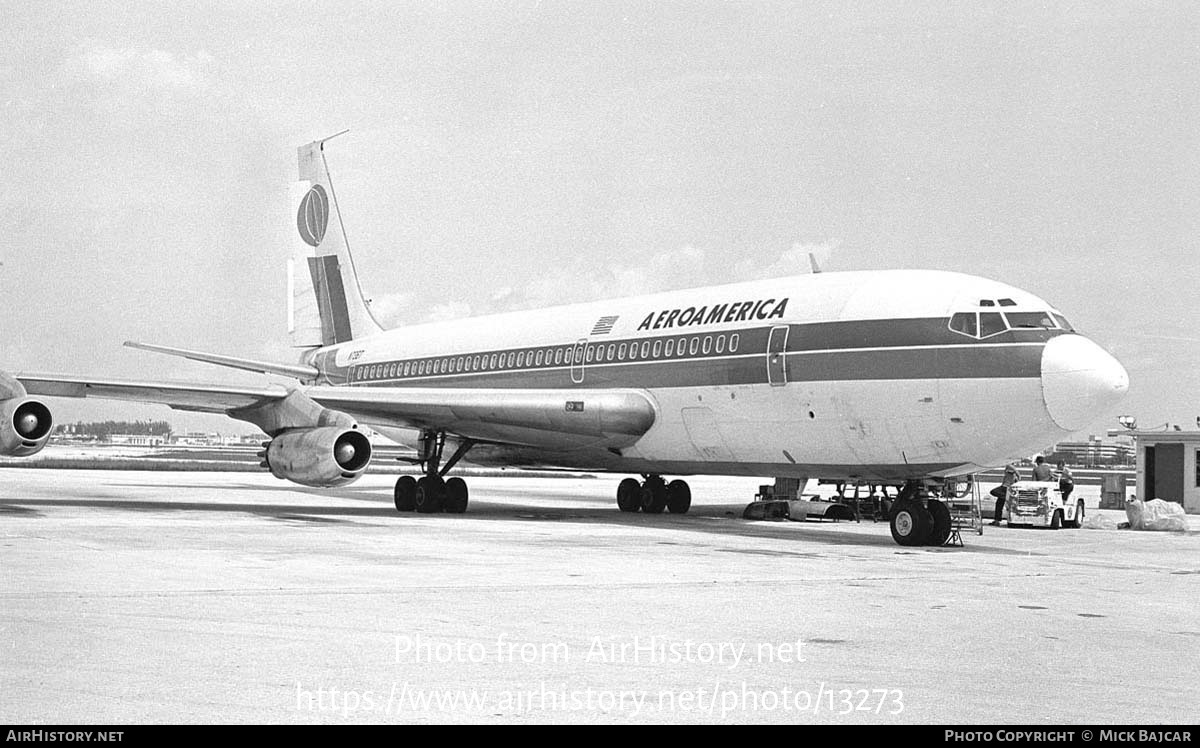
321, 457
25, 424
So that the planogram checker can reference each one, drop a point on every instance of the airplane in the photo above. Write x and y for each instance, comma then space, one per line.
909, 378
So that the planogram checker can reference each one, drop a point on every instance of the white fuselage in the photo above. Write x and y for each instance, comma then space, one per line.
882, 375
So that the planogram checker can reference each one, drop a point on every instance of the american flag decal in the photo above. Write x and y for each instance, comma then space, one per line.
605, 325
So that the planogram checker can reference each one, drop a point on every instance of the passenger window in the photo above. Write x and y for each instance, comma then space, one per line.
720, 344
612, 352
492, 361
695, 346
646, 349
990, 323
591, 353
965, 323
670, 346
512, 359
734, 339
621, 352
558, 354
521, 359
657, 348
707, 344
538, 359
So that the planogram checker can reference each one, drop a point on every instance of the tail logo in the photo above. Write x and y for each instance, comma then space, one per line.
313, 216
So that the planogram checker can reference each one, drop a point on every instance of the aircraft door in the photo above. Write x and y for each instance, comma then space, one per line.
577, 362
777, 356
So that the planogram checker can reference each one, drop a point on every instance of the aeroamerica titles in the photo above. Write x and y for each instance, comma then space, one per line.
738, 311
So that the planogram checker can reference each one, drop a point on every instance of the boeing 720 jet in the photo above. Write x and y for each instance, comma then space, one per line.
905, 377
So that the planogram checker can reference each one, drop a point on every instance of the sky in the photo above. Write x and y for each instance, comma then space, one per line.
512, 155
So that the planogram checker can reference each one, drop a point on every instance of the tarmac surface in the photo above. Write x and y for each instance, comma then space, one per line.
147, 597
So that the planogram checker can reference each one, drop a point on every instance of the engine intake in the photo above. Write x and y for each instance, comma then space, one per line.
321, 457
25, 427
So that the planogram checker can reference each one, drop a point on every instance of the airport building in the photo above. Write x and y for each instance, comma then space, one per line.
1095, 452
1168, 467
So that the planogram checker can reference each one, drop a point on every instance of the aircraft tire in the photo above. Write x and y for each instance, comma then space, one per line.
405, 494
629, 495
456, 496
679, 497
911, 523
940, 530
654, 496
431, 495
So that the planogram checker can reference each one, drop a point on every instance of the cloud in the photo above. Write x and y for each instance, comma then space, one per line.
139, 68
792, 261
670, 269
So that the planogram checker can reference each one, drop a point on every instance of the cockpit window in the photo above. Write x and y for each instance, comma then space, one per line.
1062, 322
964, 322
991, 323
1035, 320
986, 324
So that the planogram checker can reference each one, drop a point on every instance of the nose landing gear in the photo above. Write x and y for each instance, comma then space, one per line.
917, 519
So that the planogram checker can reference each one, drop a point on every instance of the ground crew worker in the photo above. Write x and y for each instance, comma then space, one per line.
1042, 471
1066, 481
1011, 476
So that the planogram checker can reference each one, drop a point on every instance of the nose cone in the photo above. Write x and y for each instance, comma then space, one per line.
1080, 380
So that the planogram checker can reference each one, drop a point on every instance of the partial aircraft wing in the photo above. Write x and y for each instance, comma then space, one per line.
546, 418
205, 398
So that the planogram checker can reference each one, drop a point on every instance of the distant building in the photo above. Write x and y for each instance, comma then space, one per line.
1095, 452
138, 440
197, 439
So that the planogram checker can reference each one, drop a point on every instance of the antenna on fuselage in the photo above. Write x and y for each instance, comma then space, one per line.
812, 262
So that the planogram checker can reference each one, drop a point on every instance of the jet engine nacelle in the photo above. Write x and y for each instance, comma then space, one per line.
321, 457
25, 427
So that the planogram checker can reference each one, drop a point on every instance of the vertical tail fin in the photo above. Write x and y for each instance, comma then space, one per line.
326, 304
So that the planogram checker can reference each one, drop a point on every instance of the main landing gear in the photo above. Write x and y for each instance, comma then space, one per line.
653, 495
432, 492
917, 519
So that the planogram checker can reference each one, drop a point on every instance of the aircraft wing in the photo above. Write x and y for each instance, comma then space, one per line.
206, 398
559, 419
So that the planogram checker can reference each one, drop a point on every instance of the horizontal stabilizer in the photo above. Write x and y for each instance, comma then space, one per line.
299, 371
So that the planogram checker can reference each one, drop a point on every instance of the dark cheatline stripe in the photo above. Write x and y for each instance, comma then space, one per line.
894, 333
827, 351
945, 363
